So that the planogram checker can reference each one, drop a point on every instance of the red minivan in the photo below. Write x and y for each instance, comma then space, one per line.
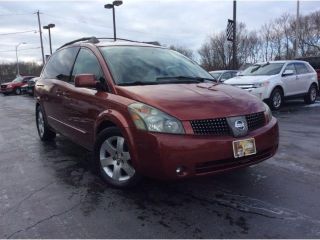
146, 110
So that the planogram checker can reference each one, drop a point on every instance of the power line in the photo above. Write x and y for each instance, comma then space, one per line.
14, 14
12, 33
24, 49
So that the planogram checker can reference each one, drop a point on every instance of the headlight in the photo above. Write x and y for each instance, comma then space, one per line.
263, 84
9, 86
267, 113
151, 119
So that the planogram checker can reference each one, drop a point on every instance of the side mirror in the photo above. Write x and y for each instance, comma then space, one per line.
287, 72
85, 81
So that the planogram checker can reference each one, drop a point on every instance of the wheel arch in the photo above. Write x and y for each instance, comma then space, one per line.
279, 87
113, 118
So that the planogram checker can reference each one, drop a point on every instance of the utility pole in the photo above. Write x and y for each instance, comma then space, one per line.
296, 45
234, 43
38, 13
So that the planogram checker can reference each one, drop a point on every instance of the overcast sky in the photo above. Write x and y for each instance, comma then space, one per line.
178, 22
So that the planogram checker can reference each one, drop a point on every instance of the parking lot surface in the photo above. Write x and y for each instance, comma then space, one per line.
51, 191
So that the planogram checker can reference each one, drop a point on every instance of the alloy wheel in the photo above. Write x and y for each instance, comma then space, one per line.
115, 159
313, 94
40, 122
276, 99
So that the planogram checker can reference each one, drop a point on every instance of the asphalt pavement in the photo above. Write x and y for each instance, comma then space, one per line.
51, 191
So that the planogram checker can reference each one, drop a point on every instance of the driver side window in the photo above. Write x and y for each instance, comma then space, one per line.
87, 63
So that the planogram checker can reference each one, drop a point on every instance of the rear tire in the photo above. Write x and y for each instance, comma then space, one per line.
276, 99
45, 133
311, 96
112, 158
17, 91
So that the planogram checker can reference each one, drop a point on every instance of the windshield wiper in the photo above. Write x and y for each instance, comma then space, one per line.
135, 83
183, 79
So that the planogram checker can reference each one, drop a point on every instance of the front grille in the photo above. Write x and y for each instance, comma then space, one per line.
217, 165
255, 121
220, 127
3, 86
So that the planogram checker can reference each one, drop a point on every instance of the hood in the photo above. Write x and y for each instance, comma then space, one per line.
195, 101
6, 84
248, 79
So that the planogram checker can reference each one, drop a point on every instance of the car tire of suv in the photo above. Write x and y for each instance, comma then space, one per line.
44, 131
17, 91
311, 96
276, 99
112, 158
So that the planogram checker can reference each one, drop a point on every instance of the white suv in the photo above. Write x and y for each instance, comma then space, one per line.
276, 80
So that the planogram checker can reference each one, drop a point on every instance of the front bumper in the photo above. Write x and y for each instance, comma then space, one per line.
260, 92
6, 90
159, 155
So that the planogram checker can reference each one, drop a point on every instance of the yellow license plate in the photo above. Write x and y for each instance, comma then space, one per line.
245, 147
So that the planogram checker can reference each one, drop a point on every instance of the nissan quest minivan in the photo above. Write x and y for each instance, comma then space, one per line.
145, 110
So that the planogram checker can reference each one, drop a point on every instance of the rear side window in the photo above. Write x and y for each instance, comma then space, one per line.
302, 68
60, 64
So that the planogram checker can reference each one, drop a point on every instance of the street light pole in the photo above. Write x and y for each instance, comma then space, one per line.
49, 26
296, 45
112, 6
234, 43
18, 70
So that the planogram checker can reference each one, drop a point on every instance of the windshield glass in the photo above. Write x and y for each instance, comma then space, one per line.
263, 69
17, 80
131, 65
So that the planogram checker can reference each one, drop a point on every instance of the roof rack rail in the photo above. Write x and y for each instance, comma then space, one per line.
89, 39
129, 40
96, 40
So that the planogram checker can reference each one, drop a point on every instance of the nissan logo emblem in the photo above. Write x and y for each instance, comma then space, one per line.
239, 125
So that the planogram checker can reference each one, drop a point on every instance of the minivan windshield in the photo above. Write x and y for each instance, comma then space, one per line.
263, 69
135, 65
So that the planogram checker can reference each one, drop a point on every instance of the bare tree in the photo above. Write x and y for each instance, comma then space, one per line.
183, 50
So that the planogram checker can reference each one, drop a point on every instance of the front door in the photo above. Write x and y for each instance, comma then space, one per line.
290, 81
82, 107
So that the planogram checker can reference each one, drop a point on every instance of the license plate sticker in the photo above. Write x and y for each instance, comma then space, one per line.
245, 147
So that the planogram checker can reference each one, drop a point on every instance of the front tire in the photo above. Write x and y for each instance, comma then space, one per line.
311, 96
112, 157
276, 99
45, 133
17, 91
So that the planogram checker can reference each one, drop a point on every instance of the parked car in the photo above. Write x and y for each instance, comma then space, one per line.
278, 80
31, 84
223, 75
315, 63
145, 110
15, 85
